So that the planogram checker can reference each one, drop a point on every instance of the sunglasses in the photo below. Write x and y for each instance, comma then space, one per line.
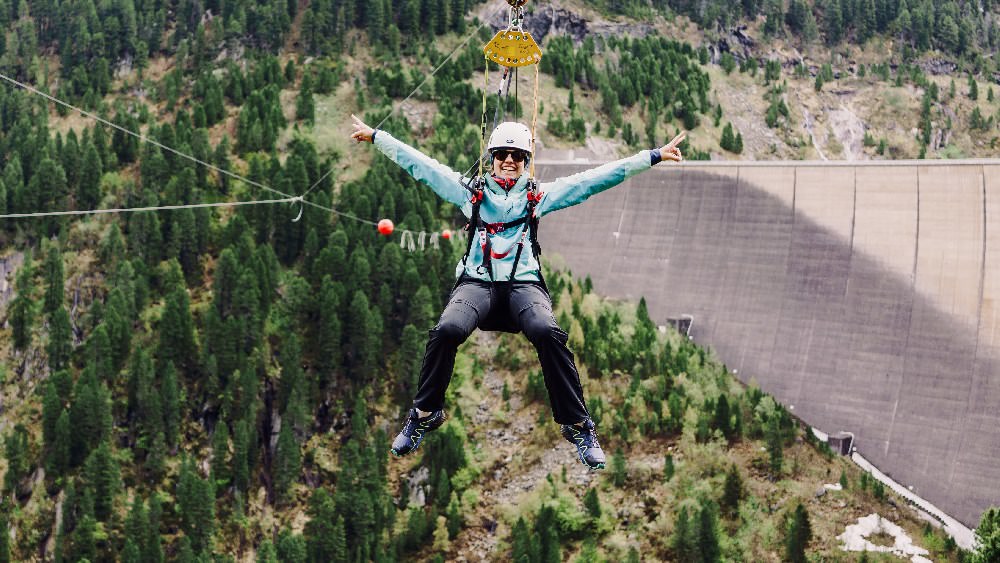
516, 155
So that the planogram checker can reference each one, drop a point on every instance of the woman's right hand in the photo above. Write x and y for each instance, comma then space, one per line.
362, 133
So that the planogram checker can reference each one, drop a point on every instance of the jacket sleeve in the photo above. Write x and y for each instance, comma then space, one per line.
445, 182
575, 189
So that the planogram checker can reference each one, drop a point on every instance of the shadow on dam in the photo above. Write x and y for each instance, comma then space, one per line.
861, 296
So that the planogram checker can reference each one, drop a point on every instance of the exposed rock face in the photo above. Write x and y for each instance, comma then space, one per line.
938, 67
553, 19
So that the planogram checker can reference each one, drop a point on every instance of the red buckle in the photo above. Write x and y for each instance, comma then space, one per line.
477, 196
494, 228
536, 198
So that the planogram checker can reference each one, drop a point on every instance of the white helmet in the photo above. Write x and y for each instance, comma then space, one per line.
511, 135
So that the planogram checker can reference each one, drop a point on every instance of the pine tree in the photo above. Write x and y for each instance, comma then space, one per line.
775, 446
305, 103
88, 193
668, 467
60, 340
722, 420
291, 548
103, 477
177, 342
52, 407
16, 452
592, 503
685, 540
61, 451
732, 491
4, 538
196, 506
170, 393
708, 533
22, 310
220, 451
287, 463
798, 535
973, 88
324, 533
619, 472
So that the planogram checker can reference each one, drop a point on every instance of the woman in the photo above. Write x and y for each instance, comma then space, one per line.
499, 286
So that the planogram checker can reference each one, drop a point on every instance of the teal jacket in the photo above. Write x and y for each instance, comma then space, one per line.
501, 206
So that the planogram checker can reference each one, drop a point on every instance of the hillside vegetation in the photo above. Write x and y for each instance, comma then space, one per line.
215, 384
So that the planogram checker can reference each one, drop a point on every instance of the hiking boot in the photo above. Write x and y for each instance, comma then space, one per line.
413, 431
584, 437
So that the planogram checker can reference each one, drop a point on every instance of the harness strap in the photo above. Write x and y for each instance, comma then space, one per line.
486, 230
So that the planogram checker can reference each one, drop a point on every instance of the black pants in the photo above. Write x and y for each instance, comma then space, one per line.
525, 308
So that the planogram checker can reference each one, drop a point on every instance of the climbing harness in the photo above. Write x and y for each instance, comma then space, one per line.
511, 48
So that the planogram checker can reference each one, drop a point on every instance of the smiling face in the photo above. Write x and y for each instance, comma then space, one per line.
508, 163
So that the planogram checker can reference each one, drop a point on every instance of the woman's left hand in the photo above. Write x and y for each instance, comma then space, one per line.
670, 151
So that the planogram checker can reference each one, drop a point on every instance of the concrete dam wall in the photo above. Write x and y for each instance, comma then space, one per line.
864, 296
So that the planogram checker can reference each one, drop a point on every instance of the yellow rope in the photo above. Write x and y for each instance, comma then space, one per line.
534, 122
482, 131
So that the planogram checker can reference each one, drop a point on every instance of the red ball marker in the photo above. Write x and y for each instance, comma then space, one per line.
446, 234
385, 227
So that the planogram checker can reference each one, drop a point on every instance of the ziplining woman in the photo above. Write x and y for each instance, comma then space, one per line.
500, 287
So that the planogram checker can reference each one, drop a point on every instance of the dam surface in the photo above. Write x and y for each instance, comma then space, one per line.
863, 296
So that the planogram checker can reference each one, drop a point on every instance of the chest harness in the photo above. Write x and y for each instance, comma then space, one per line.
485, 230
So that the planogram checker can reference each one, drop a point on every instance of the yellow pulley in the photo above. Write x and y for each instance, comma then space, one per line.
513, 46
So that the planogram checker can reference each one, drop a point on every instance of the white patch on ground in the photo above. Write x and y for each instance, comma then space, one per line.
849, 130
855, 538
833, 487
808, 122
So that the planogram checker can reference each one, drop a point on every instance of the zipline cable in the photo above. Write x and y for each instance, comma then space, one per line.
151, 208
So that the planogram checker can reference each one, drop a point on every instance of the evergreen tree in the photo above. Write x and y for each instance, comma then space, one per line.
833, 21
973, 88
88, 193
60, 340
4, 538
775, 446
732, 491
727, 137
18, 463
61, 455
241, 446
220, 451
592, 503
22, 310
287, 463
522, 544
305, 103
54, 279
708, 533
52, 407
324, 533
171, 396
685, 540
196, 506
668, 467
987, 536
291, 548
177, 342
619, 472
798, 535
103, 477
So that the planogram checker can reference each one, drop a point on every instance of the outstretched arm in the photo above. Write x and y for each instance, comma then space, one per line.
445, 182
575, 189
